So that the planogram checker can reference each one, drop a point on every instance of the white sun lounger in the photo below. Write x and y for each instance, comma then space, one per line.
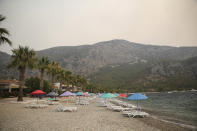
135, 114
62, 108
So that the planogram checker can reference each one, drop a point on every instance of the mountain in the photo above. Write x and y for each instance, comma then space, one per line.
123, 65
4, 72
87, 59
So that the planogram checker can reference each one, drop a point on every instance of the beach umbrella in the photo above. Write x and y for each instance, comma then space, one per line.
108, 95
80, 94
37, 92
86, 94
116, 94
123, 95
53, 94
67, 93
137, 96
100, 95
92, 94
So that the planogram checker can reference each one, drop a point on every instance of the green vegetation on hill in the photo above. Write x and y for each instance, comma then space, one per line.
160, 76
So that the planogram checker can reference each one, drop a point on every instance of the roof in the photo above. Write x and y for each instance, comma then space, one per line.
9, 82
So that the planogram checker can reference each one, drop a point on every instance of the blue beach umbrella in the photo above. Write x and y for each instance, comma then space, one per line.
116, 94
137, 96
80, 94
102, 95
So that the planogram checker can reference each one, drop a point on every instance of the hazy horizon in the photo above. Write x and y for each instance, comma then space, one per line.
47, 23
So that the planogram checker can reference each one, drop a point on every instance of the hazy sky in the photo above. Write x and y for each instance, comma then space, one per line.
42, 24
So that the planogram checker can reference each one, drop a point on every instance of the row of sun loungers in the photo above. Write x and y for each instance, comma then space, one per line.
128, 110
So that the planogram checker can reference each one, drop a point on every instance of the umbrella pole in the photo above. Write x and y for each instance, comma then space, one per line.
137, 103
37, 99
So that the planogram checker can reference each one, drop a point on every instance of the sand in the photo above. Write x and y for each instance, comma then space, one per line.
14, 116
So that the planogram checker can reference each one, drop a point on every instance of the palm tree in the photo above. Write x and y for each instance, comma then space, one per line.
81, 81
53, 69
63, 77
67, 77
60, 76
4, 33
22, 58
73, 81
42, 65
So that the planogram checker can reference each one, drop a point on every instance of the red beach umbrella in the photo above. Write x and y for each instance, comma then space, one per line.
37, 92
123, 95
86, 94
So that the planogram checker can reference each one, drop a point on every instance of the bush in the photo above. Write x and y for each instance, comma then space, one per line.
33, 83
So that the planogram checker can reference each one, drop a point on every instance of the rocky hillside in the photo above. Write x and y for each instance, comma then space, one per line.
124, 65
88, 59
149, 76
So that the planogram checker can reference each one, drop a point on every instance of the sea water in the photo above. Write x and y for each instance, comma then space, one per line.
176, 106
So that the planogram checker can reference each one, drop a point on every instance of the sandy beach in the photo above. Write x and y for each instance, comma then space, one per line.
14, 116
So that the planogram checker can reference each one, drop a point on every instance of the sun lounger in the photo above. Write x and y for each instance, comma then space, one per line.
62, 108
52, 103
36, 106
135, 114
51, 99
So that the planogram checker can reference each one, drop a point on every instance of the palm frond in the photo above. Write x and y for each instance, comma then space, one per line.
22, 57
4, 31
5, 40
2, 17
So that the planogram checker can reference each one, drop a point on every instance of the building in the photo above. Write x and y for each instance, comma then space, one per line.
9, 88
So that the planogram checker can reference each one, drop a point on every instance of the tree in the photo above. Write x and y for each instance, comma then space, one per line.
81, 81
43, 64
73, 81
22, 58
4, 33
63, 77
33, 83
53, 69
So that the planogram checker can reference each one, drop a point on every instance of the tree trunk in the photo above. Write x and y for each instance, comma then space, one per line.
41, 79
53, 79
21, 84
60, 85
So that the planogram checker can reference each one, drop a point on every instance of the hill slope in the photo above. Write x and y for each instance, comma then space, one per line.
87, 59
124, 65
157, 76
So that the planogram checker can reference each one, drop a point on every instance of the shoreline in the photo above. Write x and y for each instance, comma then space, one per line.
170, 120
14, 115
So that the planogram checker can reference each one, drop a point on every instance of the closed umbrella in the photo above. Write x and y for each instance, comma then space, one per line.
137, 96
